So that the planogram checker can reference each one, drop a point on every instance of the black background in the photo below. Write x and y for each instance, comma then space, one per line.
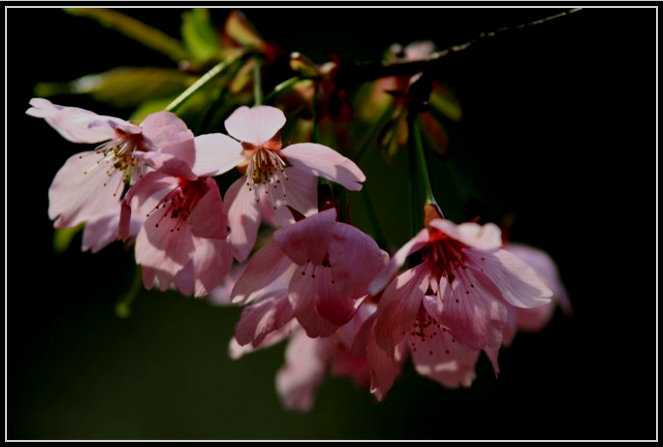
558, 127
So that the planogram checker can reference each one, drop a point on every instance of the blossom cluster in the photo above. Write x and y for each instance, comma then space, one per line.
346, 305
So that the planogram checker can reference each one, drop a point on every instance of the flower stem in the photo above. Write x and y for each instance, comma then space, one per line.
257, 82
123, 305
421, 157
217, 69
283, 86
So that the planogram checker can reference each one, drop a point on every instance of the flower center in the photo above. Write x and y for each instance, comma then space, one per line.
118, 160
444, 256
179, 203
266, 171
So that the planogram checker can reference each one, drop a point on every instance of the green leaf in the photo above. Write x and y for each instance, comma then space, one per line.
123, 86
199, 35
62, 238
149, 107
442, 99
134, 29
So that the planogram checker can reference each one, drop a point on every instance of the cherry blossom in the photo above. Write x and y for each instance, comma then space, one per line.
91, 183
471, 276
256, 148
182, 241
328, 265
535, 319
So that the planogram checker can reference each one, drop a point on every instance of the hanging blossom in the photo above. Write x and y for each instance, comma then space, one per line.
90, 184
310, 360
327, 265
256, 148
182, 240
535, 319
471, 277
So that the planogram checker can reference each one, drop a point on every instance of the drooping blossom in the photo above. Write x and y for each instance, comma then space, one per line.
465, 268
535, 319
91, 183
327, 265
310, 360
182, 240
256, 147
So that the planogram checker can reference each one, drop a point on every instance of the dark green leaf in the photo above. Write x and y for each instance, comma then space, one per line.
122, 87
134, 29
199, 35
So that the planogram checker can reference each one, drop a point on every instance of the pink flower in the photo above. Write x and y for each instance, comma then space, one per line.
327, 265
469, 274
182, 239
310, 360
535, 319
91, 183
267, 177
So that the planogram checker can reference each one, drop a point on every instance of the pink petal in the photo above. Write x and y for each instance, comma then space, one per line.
518, 283
255, 125
384, 368
308, 240
391, 269
208, 219
167, 164
210, 262
141, 199
331, 305
263, 273
355, 260
243, 218
483, 237
82, 190
165, 132
216, 153
472, 309
303, 294
301, 194
265, 316
235, 350
399, 305
78, 125
163, 251
304, 371
325, 162
437, 356
221, 295
546, 269
103, 230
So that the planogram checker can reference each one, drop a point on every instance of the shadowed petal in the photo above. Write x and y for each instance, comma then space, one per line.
265, 316
263, 273
211, 260
355, 260
243, 218
303, 295
208, 219
308, 239
471, 310
399, 305
392, 267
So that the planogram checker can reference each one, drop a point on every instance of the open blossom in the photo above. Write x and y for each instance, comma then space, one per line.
328, 266
182, 240
474, 280
535, 319
91, 183
256, 147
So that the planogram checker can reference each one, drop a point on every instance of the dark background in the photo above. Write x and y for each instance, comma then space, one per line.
558, 128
